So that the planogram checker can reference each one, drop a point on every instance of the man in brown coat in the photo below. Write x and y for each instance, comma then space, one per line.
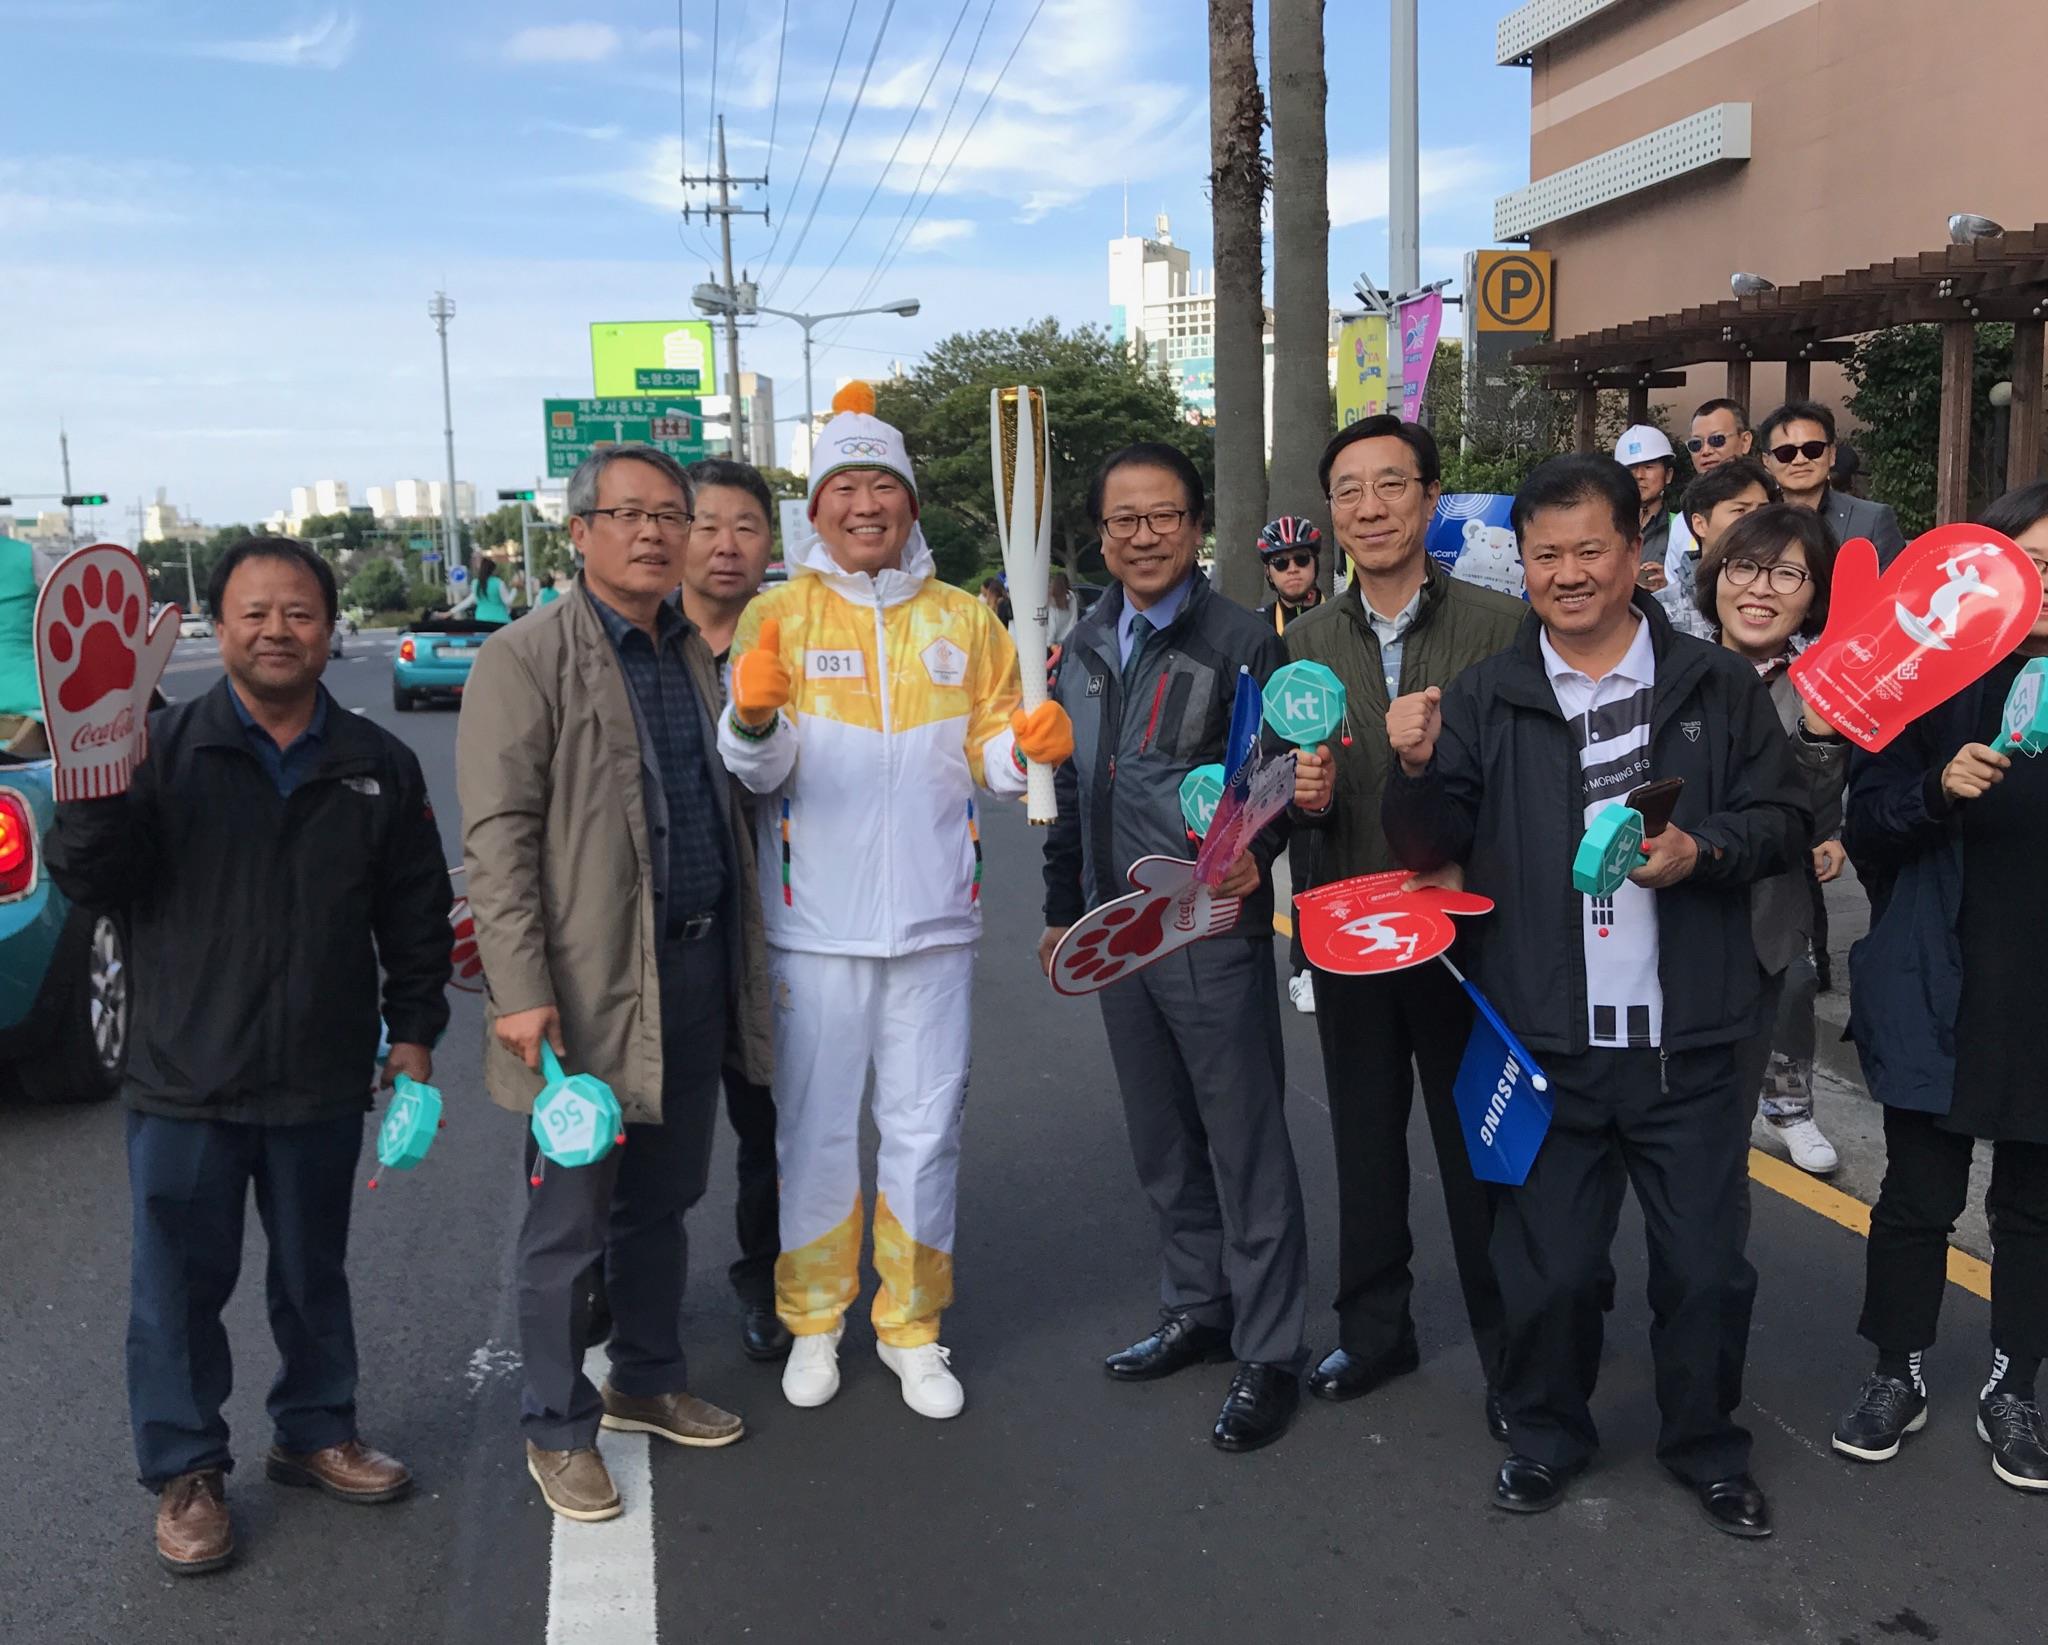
617, 918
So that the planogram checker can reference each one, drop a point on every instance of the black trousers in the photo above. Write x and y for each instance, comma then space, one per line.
189, 1181
755, 1213
626, 1210
1926, 1185
1379, 1034
1669, 1126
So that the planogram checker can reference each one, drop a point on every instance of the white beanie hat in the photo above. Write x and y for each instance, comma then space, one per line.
1643, 444
857, 438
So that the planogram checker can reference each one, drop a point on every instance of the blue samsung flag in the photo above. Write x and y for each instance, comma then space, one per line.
1503, 1098
1247, 709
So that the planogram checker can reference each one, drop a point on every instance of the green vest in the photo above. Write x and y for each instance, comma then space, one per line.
18, 692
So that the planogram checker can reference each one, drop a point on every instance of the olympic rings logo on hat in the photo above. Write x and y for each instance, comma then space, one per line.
863, 448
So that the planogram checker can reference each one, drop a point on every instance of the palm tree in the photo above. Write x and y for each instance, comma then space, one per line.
1302, 415
1238, 179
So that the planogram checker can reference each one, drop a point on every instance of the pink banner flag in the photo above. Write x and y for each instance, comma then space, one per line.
1420, 322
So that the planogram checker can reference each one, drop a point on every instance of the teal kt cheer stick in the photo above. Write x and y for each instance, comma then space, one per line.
410, 1125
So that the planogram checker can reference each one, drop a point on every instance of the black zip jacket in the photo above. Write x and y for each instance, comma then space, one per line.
1502, 796
256, 923
1119, 796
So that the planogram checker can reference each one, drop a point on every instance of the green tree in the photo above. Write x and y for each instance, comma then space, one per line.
379, 586
785, 483
1099, 398
1896, 401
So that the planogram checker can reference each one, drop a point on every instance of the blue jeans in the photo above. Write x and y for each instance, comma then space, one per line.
189, 1180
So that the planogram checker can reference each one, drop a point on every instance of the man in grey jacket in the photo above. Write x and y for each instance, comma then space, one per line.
1798, 445
1147, 678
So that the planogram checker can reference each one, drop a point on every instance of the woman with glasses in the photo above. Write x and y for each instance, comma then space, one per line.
1763, 586
1945, 996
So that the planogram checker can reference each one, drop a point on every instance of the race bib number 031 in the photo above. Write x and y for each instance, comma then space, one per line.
835, 665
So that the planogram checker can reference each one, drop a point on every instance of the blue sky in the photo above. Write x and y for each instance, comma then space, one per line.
222, 219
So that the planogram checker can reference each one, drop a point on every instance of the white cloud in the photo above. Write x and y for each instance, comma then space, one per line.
1359, 183
325, 43
565, 43
939, 231
1040, 203
595, 134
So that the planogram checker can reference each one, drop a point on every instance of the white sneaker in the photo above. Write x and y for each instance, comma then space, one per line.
1810, 1150
810, 1376
1301, 988
929, 1386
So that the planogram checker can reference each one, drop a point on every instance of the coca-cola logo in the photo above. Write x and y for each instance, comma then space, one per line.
105, 733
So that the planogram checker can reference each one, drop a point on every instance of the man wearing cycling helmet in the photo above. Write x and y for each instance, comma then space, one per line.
1291, 555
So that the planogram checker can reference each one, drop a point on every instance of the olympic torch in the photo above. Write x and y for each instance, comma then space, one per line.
1022, 455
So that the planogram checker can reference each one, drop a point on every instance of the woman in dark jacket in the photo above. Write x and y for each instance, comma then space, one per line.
1764, 582
1948, 834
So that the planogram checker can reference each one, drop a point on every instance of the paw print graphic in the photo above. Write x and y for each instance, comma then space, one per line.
95, 634
1125, 933
1165, 913
469, 963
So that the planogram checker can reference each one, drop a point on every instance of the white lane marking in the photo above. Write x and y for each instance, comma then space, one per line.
601, 1577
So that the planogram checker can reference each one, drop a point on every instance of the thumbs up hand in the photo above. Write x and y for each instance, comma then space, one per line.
760, 679
1414, 723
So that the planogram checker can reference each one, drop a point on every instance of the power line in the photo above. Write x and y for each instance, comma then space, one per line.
930, 80
775, 108
817, 125
859, 91
883, 268
938, 142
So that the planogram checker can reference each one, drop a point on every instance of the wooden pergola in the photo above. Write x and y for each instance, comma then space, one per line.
2004, 277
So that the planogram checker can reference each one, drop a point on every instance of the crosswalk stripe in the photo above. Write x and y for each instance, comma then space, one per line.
601, 1577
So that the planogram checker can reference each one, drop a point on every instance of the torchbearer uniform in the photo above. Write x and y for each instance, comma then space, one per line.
870, 865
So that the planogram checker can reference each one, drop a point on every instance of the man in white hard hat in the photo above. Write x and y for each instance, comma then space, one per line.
1668, 549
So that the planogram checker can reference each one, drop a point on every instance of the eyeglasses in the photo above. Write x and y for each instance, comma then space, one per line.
1290, 562
666, 520
1389, 488
1163, 522
1780, 578
1809, 449
1708, 441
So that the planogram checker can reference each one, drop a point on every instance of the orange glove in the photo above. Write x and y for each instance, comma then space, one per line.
1045, 734
760, 679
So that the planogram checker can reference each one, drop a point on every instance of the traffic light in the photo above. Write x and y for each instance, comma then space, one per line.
515, 496
86, 499
6, 502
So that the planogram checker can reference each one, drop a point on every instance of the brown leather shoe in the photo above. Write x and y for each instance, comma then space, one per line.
193, 1532
576, 1484
682, 1419
351, 1472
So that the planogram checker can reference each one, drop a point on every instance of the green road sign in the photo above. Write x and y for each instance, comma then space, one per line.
659, 380
576, 428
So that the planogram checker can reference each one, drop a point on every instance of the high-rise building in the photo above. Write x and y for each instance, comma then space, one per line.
1165, 310
465, 498
162, 522
383, 502
414, 500
330, 496
757, 405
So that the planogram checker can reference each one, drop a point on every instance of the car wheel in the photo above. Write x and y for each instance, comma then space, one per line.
401, 699
91, 1050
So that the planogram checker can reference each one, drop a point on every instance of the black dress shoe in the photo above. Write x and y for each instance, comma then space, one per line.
1178, 1343
1526, 1486
1736, 1505
762, 1333
1344, 1375
1262, 1402
1496, 1416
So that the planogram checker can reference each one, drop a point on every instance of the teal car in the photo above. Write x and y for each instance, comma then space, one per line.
434, 658
65, 994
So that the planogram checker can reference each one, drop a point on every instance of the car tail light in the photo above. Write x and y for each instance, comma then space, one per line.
17, 847
407, 651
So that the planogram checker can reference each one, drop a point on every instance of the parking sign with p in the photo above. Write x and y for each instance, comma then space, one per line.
1514, 290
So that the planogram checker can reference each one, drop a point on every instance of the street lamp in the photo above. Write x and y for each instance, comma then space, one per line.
442, 310
713, 300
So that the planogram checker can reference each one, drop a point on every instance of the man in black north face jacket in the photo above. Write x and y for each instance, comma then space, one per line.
1633, 1002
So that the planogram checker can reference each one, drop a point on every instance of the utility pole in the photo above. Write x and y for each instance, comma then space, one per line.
725, 211
1404, 183
64, 450
442, 310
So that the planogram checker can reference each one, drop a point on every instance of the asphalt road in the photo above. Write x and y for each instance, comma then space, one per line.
1059, 1507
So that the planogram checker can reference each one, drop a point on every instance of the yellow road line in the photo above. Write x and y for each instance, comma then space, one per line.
1971, 1273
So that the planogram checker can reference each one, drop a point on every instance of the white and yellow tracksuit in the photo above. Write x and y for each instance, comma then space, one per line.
870, 852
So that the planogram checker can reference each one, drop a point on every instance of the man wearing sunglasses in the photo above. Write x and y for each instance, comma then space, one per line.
1798, 443
1720, 434
1291, 555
